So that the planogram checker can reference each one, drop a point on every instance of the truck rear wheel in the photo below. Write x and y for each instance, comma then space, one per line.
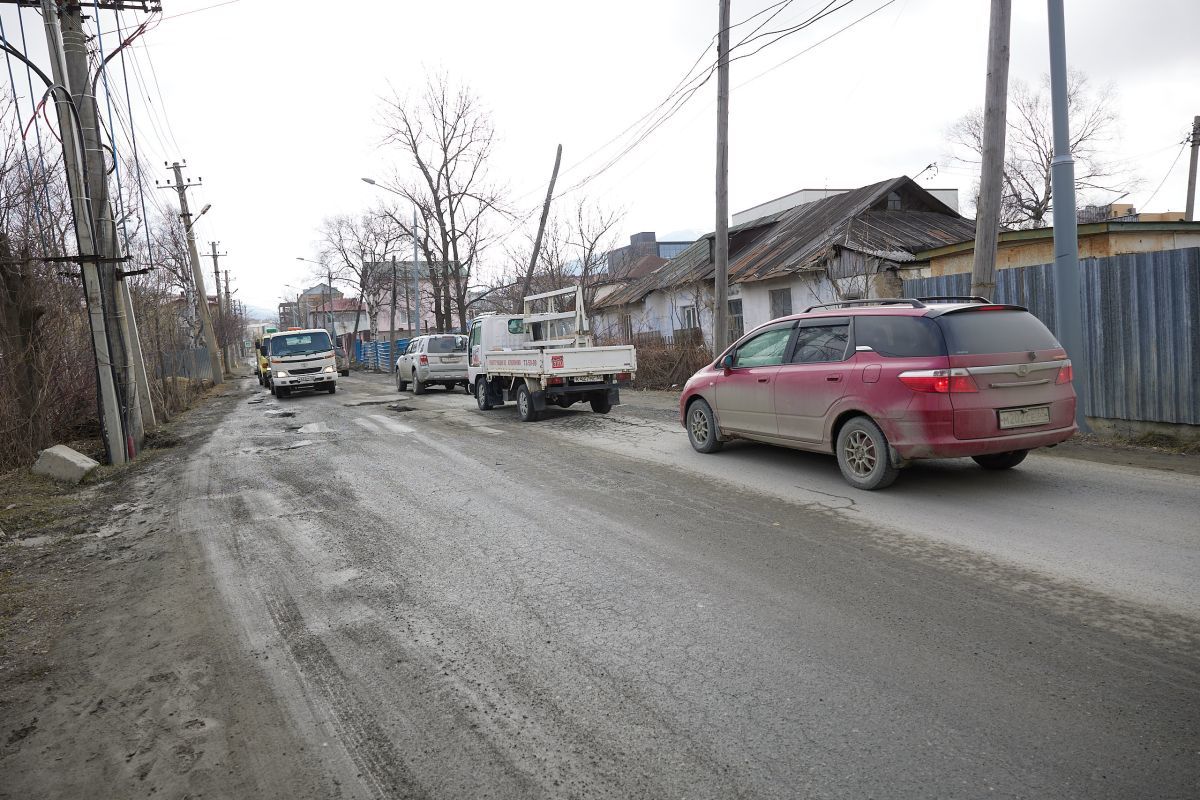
525, 410
601, 404
481, 394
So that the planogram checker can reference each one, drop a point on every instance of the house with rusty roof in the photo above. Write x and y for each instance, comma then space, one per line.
856, 244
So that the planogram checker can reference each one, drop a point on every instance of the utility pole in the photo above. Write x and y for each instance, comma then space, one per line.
721, 234
995, 108
206, 326
220, 324
229, 317
416, 266
392, 317
1067, 304
537, 240
111, 416
1190, 214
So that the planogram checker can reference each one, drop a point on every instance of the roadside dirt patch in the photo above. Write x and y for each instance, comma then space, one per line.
120, 673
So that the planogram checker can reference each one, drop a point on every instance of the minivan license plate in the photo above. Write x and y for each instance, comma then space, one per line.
1024, 417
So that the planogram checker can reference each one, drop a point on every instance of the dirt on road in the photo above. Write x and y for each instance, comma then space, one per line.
119, 673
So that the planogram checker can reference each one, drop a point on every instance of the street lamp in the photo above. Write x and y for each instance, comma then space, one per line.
416, 268
187, 226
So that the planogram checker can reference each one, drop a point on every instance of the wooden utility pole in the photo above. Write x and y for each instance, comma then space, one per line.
991, 180
537, 240
228, 315
721, 233
220, 324
1190, 214
206, 326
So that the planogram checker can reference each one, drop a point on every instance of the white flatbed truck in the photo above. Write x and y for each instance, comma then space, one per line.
545, 358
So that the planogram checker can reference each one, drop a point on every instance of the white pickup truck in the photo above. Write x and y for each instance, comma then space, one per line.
542, 358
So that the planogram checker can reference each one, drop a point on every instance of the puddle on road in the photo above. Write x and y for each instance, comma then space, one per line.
367, 403
280, 413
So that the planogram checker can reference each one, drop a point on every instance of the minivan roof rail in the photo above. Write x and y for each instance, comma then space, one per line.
878, 301
960, 298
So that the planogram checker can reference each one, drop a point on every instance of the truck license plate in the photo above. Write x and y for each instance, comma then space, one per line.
1024, 417
589, 379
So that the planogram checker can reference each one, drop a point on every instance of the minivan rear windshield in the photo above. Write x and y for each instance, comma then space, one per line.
300, 344
447, 344
973, 332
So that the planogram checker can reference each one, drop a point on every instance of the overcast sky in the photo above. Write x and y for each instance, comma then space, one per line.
275, 104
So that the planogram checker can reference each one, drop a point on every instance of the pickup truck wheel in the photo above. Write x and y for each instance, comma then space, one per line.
525, 410
418, 384
601, 405
702, 428
283, 393
481, 394
864, 455
332, 388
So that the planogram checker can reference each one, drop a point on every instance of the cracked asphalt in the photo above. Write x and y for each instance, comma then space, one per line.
446, 603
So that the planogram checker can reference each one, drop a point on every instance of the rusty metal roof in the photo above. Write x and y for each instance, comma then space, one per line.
800, 238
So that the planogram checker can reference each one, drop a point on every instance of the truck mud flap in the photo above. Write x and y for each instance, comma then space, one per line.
614, 396
539, 401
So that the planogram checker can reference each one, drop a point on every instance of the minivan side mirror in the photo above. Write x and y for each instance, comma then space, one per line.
727, 362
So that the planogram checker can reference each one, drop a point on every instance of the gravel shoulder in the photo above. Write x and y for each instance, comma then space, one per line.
120, 673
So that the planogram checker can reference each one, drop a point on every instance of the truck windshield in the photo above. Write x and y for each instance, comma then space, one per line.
300, 344
448, 344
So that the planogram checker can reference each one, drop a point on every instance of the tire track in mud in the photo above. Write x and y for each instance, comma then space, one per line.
382, 766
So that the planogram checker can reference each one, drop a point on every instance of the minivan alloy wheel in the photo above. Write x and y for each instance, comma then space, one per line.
861, 453
699, 425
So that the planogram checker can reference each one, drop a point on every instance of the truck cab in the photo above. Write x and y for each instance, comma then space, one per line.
301, 359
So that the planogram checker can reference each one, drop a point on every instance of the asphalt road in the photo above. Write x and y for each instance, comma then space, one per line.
448, 603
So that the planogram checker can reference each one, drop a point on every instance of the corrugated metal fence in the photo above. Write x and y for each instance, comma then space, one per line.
1141, 315
192, 363
377, 355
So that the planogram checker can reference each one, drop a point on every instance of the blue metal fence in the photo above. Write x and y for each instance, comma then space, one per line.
1141, 316
378, 355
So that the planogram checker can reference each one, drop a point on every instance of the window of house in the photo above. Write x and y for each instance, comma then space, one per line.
687, 315
627, 327
781, 302
737, 327
817, 343
893, 201
764, 350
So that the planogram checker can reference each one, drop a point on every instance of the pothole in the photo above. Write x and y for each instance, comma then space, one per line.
280, 413
399, 408
366, 403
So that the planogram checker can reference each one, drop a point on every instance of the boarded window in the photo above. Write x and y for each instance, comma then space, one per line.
781, 302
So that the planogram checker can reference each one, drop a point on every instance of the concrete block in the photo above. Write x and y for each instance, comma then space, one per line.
64, 464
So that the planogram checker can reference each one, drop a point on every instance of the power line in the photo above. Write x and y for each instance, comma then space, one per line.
1170, 169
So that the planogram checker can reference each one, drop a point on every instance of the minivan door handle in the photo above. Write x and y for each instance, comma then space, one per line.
833, 377
764, 380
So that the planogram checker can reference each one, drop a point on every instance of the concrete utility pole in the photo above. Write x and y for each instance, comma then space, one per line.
228, 315
537, 240
721, 234
1190, 214
206, 326
995, 107
416, 267
392, 318
112, 422
220, 321
1067, 304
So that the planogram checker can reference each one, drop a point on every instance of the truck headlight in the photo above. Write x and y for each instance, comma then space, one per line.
330, 369
281, 374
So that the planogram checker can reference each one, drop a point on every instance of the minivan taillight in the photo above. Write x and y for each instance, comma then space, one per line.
424, 360
939, 381
1066, 374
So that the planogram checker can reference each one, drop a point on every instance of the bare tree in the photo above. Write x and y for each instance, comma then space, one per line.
354, 247
446, 138
1026, 201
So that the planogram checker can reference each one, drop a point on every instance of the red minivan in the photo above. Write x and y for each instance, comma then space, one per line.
882, 382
